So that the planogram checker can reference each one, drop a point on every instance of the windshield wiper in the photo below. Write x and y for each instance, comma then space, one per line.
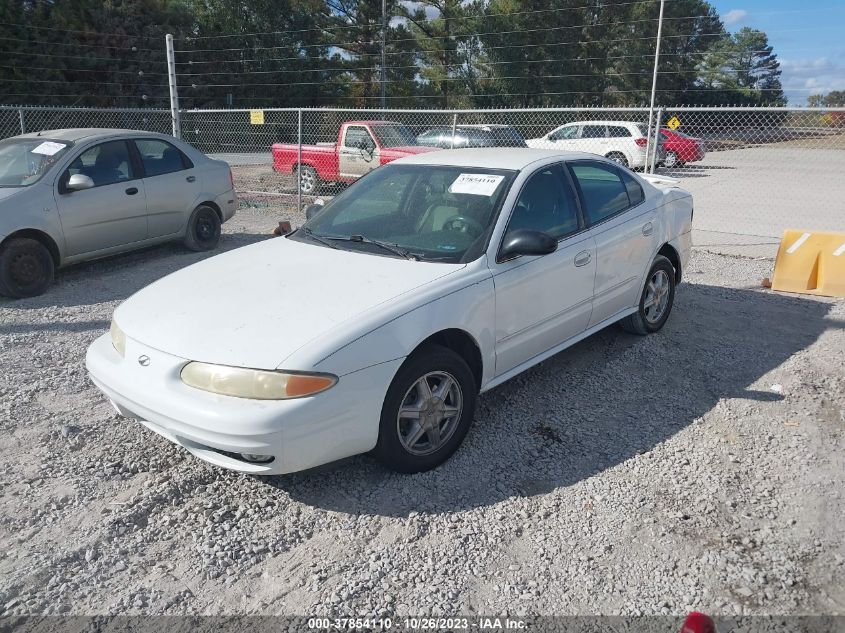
319, 238
393, 248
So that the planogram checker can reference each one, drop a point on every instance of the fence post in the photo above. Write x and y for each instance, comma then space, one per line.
299, 160
20, 118
657, 123
454, 125
174, 93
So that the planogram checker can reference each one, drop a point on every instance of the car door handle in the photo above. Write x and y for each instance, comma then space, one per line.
131, 191
191, 178
583, 258
648, 229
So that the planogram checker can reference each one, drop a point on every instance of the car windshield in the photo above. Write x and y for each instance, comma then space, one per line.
23, 161
434, 212
396, 135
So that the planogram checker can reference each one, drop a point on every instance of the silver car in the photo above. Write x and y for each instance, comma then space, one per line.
71, 195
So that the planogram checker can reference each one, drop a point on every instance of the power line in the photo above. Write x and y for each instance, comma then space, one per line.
345, 45
80, 44
455, 19
86, 70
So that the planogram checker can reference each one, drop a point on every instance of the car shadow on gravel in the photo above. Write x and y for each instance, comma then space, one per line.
115, 278
591, 407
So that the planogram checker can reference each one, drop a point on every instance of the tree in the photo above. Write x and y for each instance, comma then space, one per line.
742, 69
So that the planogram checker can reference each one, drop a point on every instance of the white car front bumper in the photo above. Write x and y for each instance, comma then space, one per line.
298, 434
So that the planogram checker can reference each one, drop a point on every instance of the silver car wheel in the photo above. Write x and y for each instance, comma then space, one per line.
429, 413
656, 297
671, 160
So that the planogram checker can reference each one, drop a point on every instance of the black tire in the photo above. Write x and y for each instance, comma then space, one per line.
26, 268
618, 157
432, 362
309, 181
642, 321
203, 233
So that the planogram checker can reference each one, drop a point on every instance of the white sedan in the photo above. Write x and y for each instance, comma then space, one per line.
375, 326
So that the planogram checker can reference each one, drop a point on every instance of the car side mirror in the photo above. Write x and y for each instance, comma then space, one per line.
526, 242
366, 146
313, 209
78, 182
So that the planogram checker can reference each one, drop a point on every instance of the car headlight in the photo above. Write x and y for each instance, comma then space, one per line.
256, 384
118, 338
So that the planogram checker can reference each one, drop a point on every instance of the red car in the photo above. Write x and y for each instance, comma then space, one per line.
361, 147
681, 148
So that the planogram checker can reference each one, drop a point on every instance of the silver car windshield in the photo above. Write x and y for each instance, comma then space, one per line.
23, 161
433, 212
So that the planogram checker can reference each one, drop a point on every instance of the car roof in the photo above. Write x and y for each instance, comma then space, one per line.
78, 134
373, 123
604, 123
491, 157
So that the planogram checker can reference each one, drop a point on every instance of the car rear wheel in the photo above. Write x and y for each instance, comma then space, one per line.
203, 232
656, 300
427, 411
671, 160
26, 268
309, 182
618, 158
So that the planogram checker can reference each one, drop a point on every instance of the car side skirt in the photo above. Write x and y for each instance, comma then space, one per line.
539, 358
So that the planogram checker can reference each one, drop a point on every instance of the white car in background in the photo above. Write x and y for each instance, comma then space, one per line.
375, 325
623, 142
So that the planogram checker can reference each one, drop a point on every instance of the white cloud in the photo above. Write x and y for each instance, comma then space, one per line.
735, 16
801, 77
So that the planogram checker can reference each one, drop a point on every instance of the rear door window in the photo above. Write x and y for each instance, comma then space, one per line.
635, 191
617, 131
593, 131
602, 190
160, 157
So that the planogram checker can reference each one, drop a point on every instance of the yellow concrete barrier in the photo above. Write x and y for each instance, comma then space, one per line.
811, 262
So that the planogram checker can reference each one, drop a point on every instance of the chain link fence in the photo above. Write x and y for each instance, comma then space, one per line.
753, 171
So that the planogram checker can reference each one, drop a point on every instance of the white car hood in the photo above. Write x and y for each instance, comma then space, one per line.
254, 306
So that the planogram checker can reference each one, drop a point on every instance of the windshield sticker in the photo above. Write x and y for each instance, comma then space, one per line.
476, 184
48, 148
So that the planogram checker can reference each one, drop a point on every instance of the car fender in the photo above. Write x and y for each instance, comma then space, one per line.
464, 302
34, 210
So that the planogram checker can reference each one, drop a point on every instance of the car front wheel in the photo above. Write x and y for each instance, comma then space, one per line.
427, 411
26, 268
656, 299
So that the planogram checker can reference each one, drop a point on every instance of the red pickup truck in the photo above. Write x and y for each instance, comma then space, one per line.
361, 147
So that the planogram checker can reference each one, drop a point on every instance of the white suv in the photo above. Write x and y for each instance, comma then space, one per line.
621, 141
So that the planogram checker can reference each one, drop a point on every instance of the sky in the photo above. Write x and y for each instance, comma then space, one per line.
808, 38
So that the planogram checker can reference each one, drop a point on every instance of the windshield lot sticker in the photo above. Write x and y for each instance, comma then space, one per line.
476, 184
48, 148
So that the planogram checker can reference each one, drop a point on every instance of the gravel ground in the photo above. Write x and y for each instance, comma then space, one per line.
700, 468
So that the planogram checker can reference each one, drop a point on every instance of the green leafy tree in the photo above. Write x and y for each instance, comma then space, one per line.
742, 69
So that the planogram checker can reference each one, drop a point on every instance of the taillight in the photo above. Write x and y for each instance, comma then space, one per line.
642, 142
231, 178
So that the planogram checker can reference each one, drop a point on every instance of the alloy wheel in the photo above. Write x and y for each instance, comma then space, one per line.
657, 296
429, 413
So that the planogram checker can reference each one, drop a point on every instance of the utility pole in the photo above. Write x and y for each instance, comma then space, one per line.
383, 54
654, 86
174, 93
